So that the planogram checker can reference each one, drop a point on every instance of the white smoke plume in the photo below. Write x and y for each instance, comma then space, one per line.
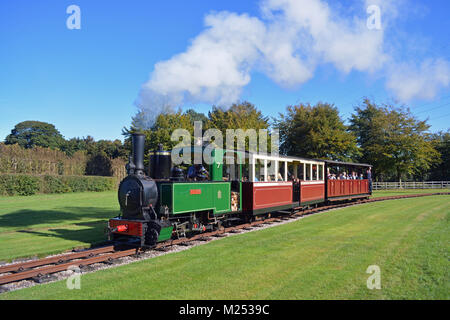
286, 43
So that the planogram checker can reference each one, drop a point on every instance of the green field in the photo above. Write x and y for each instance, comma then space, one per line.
324, 256
46, 224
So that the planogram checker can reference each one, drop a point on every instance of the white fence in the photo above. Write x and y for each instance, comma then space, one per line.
410, 185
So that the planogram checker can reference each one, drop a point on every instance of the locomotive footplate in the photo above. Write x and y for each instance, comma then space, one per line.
147, 233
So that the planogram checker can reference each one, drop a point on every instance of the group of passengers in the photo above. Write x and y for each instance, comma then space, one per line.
197, 172
345, 176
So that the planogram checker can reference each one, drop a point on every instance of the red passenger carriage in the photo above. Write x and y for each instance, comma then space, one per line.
290, 183
342, 188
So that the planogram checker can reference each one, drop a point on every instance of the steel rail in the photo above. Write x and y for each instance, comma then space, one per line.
18, 267
64, 266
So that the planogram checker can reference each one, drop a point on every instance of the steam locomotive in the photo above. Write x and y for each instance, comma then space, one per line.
163, 203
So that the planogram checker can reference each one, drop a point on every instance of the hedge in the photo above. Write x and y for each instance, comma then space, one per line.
25, 185
40, 161
44, 161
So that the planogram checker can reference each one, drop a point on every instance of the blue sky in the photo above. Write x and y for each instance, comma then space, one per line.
85, 81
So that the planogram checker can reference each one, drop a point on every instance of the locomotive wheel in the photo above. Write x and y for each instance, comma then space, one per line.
151, 237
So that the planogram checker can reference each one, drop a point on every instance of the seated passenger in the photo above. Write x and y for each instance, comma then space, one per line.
202, 173
191, 174
197, 172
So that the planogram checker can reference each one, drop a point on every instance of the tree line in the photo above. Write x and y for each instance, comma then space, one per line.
35, 147
391, 138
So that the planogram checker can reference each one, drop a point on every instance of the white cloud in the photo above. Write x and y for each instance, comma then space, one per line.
409, 81
346, 43
217, 64
286, 43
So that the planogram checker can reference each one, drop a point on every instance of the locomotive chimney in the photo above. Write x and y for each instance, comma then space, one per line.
138, 141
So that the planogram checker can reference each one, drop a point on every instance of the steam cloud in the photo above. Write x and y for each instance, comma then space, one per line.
287, 43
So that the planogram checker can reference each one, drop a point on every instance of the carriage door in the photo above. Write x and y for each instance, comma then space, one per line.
296, 191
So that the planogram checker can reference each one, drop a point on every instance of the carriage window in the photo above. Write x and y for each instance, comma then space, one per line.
314, 172
259, 170
245, 172
291, 172
280, 171
271, 170
321, 172
308, 172
300, 173
231, 172
230, 168
226, 172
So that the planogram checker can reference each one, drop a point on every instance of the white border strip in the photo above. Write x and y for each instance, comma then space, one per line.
272, 184
304, 183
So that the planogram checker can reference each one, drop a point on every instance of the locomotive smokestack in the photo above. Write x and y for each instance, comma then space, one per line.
138, 141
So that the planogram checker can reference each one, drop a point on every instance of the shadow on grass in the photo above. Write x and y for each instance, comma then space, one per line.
68, 220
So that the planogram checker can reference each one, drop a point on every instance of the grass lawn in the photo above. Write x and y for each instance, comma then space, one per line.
46, 224
323, 256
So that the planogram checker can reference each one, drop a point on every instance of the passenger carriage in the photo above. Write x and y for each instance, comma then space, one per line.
347, 189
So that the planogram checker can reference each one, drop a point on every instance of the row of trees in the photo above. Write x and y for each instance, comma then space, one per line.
239, 116
30, 134
398, 145
103, 157
390, 138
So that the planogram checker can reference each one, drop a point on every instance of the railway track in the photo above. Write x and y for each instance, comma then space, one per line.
38, 270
